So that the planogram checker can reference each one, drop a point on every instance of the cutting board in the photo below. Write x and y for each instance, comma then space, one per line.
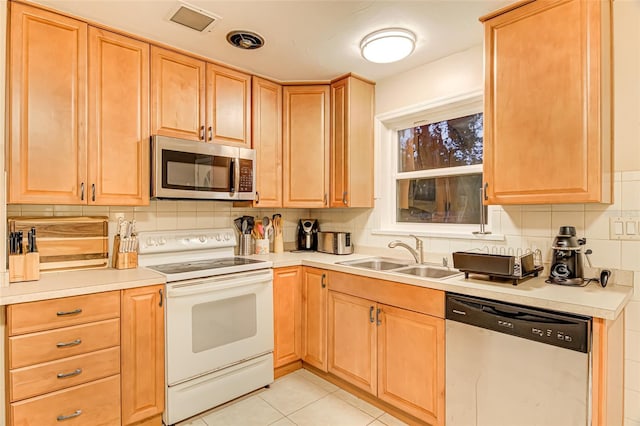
67, 242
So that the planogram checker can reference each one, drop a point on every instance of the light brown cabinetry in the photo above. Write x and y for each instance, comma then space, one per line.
142, 353
287, 315
267, 141
77, 360
388, 339
177, 95
78, 131
548, 103
64, 372
306, 146
228, 106
118, 119
351, 153
314, 317
200, 101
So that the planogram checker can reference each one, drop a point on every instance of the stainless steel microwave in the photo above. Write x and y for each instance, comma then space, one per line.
184, 169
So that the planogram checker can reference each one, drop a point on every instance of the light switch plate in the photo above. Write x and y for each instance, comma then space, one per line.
624, 228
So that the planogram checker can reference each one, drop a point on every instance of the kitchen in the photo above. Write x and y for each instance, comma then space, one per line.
523, 225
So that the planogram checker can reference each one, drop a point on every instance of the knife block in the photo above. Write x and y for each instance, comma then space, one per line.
24, 267
123, 260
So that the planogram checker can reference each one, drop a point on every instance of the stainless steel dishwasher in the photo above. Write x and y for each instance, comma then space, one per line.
510, 365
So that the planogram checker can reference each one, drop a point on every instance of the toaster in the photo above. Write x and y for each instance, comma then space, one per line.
335, 242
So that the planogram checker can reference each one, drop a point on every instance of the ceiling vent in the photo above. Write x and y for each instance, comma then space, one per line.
193, 17
245, 39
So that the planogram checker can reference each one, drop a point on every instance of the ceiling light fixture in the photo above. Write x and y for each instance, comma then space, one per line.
388, 45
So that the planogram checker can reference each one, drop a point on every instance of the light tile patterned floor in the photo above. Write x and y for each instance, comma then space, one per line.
300, 398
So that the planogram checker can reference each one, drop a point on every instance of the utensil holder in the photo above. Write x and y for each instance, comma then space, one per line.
123, 260
262, 246
246, 245
278, 244
24, 267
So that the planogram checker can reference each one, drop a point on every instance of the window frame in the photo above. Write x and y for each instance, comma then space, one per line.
387, 175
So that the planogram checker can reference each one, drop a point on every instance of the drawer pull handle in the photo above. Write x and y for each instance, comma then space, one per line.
73, 373
67, 344
70, 416
65, 313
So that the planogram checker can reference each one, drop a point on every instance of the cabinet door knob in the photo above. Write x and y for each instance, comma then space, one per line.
68, 344
486, 186
82, 191
210, 133
161, 297
93, 192
324, 200
371, 319
344, 198
378, 320
201, 133
257, 197
324, 280
65, 313
71, 374
69, 416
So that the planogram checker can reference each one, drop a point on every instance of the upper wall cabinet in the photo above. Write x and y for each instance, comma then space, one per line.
192, 99
267, 141
61, 149
177, 95
228, 106
547, 122
306, 146
352, 111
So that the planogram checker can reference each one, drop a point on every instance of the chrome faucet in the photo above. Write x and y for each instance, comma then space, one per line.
417, 252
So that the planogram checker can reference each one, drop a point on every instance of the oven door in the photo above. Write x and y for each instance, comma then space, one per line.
217, 322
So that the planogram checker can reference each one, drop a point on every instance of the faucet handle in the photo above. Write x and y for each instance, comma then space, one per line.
418, 241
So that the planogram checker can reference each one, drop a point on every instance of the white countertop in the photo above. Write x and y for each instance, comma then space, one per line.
52, 285
592, 300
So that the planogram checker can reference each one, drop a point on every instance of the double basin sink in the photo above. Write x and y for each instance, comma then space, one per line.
398, 266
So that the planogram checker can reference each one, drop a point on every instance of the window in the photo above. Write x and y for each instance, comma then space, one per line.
430, 163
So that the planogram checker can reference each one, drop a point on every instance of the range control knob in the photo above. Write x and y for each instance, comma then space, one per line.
218, 237
227, 237
151, 242
162, 241
202, 239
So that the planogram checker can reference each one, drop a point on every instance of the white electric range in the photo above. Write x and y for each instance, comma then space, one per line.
218, 318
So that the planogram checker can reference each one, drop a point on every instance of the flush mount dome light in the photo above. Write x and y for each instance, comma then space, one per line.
245, 39
388, 45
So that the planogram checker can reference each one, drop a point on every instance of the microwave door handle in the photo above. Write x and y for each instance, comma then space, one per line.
232, 176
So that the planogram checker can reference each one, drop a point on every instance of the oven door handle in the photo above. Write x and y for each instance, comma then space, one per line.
211, 286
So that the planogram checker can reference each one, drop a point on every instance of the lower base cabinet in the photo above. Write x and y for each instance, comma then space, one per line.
287, 316
393, 353
95, 359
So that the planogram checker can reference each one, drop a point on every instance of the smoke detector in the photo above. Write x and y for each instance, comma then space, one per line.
193, 17
245, 40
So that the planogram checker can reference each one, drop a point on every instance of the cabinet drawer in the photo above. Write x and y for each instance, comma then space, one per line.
55, 313
55, 375
50, 345
95, 403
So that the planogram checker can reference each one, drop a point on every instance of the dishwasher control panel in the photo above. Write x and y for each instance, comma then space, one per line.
553, 328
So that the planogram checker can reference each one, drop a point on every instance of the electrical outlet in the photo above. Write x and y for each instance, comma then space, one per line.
624, 228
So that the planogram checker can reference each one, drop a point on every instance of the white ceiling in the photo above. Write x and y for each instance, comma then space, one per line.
305, 40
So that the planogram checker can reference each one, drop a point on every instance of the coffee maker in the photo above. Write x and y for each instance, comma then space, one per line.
307, 234
566, 267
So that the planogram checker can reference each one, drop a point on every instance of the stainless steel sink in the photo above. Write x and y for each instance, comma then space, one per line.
377, 264
424, 271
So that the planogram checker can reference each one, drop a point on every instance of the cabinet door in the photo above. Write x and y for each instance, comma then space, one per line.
351, 143
352, 340
47, 108
142, 353
411, 356
547, 123
177, 95
118, 119
228, 106
306, 146
267, 141
287, 315
314, 317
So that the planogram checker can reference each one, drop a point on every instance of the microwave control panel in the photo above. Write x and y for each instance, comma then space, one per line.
246, 176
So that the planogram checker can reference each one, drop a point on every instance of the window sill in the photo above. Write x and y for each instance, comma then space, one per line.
447, 235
